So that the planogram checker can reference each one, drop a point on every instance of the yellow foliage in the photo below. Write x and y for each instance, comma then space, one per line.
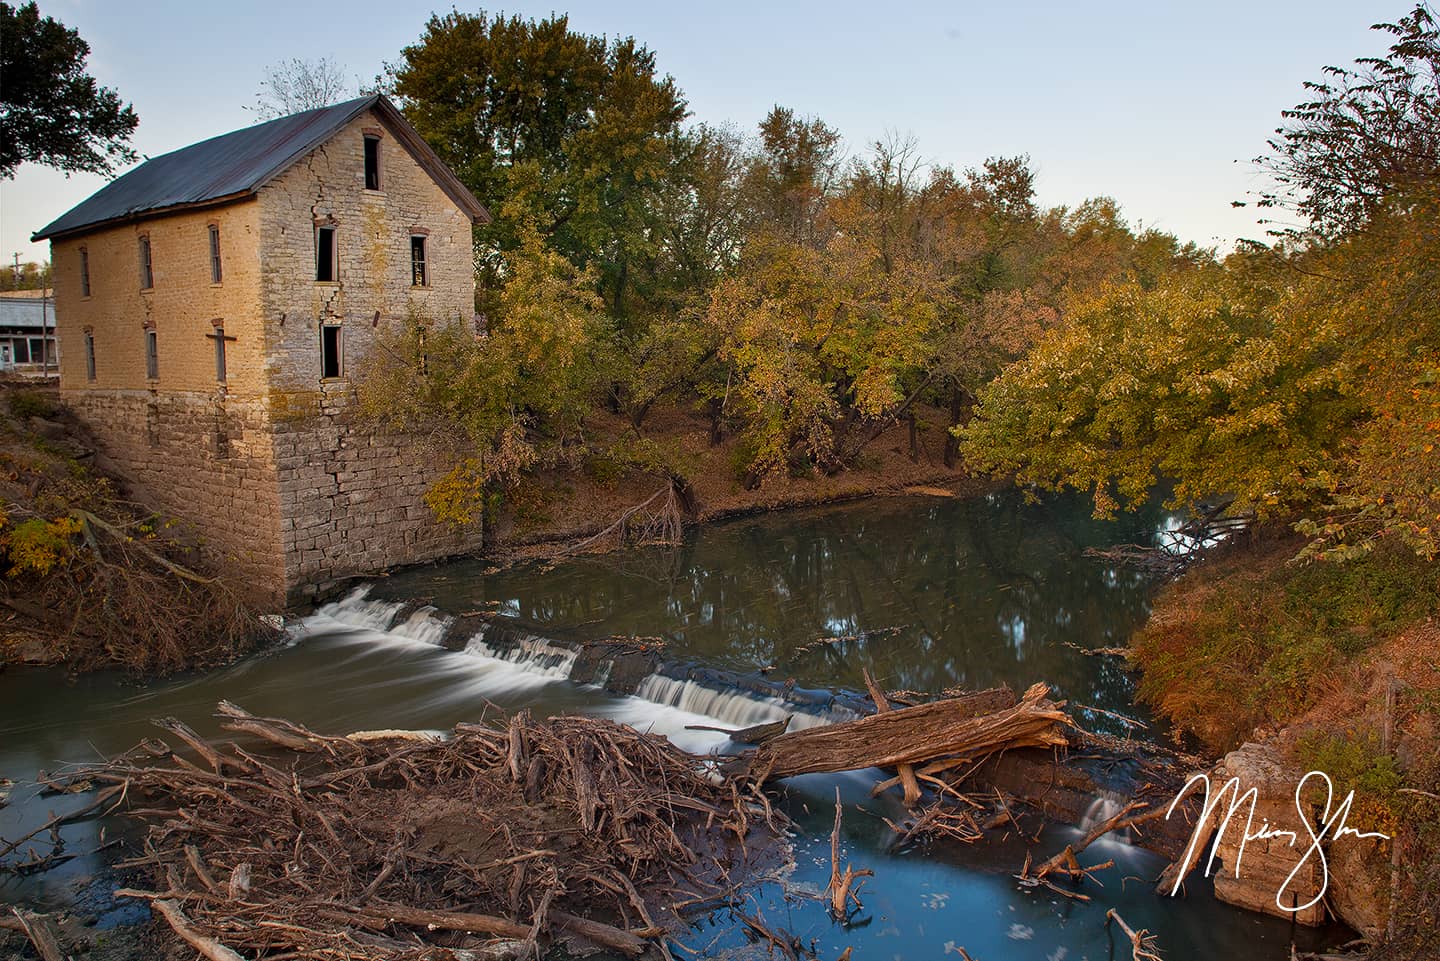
457, 498
38, 546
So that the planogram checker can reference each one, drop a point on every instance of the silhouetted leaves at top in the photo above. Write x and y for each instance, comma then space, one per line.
51, 111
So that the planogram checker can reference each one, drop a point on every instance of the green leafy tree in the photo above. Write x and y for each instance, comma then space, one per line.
51, 111
570, 134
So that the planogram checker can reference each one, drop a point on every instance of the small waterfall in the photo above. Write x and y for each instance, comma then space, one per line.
534, 654
357, 610
735, 708
658, 700
1104, 807
426, 625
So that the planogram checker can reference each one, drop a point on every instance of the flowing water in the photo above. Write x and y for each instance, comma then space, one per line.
927, 593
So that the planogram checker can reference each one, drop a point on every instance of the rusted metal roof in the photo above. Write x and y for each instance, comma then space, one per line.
235, 165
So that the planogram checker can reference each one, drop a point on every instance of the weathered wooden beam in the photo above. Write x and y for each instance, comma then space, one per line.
970, 725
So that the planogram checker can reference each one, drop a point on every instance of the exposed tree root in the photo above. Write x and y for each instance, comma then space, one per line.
1142, 943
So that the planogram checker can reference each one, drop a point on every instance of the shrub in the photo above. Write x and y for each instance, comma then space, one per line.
32, 403
1241, 641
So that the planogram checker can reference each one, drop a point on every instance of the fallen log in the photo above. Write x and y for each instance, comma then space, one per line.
968, 726
286, 734
38, 929
384, 913
207, 946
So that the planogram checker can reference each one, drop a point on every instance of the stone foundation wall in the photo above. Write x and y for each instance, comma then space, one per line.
203, 459
352, 496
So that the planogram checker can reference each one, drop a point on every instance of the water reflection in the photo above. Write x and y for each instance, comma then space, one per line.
928, 593
980, 592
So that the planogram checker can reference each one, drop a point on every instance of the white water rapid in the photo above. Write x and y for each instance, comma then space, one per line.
502, 671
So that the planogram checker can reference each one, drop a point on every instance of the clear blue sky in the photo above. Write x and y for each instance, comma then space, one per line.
1150, 103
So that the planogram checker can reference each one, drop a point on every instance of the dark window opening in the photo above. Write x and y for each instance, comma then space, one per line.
152, 356
84, 272
372, 163
219, 336
147, 274
214, 254
418, 277
329, 352
89, 356
325, 266
22, 350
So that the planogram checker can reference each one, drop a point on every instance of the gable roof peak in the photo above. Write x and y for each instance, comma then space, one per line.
237, 164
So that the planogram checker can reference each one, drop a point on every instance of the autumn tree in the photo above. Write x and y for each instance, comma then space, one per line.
827, 327
51, 111
798, 164
495, 405
1302, 383
1303, 380
1368, 130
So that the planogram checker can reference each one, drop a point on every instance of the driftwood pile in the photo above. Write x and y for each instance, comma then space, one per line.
500, 840
400, 845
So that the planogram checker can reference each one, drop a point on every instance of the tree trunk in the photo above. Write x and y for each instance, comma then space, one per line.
940, 734
960, 404
715, 407
638, 413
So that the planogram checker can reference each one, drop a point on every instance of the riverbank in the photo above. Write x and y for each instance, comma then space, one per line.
556, 510
1319, 667
90, 579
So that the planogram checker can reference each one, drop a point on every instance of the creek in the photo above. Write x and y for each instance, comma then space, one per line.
925, 592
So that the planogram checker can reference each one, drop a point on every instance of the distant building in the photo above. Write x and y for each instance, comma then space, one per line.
212, 304
27, 330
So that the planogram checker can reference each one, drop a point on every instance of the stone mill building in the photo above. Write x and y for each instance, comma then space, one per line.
211, 306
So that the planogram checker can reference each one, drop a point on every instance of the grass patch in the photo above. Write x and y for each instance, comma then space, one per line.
31, 403
1354, 759
1247, 638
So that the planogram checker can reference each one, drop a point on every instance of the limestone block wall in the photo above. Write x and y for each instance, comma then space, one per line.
351, 496
202, 458
372, 230
182, 303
